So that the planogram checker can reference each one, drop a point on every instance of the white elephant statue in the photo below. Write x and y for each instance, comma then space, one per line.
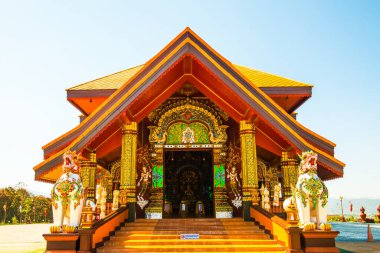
67, 193
310, 193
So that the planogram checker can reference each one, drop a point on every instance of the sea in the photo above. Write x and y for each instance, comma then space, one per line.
370, 206
355, 231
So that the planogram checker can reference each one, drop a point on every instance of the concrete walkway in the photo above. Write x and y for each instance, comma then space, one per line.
23, 238
359, 247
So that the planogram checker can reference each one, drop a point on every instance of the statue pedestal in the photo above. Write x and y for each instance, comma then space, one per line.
61, 242
319, 241
154, 208
222, 208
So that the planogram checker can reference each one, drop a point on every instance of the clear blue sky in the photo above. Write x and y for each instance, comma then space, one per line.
48, 46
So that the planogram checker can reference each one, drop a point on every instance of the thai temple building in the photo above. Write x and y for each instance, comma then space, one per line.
190, 147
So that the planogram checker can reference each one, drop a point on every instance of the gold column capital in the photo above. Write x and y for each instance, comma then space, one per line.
284, 156
246, 127
93, 157
130, 128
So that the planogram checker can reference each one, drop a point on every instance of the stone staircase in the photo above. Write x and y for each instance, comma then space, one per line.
215, 235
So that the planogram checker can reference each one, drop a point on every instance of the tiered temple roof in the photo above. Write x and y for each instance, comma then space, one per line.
244, 93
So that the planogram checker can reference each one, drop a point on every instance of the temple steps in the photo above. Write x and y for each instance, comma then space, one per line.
197, 223
194, 248
187, 223
177, 241
253, 236
189, 228
257, 234
215, 235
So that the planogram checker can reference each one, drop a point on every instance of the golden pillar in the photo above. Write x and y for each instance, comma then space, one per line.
249, 166
128, 168
155, 207
289, 173
88, 176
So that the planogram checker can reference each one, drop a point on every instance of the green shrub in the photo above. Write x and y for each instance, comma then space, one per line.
14, 220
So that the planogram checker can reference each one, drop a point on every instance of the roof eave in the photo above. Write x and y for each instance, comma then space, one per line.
89, 93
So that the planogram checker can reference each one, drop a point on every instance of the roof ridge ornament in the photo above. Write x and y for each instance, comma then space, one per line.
155, 115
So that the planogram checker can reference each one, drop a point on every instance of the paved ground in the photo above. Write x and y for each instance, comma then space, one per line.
359, 247
23, 238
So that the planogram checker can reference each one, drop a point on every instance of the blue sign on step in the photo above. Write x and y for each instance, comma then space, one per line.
189, 236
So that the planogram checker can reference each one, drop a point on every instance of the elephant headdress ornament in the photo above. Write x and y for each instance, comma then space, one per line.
310, 193
67, 193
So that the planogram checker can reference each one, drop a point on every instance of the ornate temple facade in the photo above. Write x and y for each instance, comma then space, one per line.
189, 134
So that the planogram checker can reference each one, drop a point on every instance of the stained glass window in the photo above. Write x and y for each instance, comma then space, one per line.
158, 178
219, 176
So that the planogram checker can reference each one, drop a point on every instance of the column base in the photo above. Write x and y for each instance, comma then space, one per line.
227, 214
155, 216
131, 211
255, 196
222, 207
155, 207
123, 198
319, 241
247, 210
61, 242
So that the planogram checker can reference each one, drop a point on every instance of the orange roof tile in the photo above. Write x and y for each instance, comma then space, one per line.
259, 78
111, 82
263, 79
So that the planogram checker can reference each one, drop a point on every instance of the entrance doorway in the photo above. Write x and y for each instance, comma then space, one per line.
188, 180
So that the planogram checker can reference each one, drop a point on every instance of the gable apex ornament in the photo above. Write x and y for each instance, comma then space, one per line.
188, 136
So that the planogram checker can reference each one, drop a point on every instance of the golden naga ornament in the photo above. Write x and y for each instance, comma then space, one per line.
309, 226
55, 229
325, 226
